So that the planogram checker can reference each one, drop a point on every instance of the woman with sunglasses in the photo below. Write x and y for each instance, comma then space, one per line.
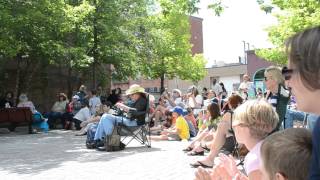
276, 95
303, 78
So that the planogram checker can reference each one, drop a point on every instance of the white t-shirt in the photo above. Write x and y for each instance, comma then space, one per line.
252, 159
83, 114
244, 86
93, 102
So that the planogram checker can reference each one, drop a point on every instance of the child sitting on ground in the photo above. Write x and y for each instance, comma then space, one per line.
286, 155
179, 131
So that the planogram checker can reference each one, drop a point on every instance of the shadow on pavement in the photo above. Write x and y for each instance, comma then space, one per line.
33, 153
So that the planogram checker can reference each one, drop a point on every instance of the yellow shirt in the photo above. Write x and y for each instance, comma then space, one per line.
182, 126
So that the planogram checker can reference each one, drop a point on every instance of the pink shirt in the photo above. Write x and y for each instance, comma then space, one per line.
252, 159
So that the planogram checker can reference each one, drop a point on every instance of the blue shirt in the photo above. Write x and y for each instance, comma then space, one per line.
315, 164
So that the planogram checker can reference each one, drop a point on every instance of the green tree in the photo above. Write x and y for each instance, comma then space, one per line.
294, 16
168, 48
30, 34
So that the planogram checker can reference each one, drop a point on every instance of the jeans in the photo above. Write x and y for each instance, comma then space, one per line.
52, 118
311, 121
107, 122
292, 115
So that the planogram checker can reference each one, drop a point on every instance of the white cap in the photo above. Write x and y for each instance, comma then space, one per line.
75, 97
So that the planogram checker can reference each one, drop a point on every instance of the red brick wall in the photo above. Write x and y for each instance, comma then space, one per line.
255, 63
196, 35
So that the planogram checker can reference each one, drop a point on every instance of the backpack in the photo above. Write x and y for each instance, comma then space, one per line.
113, 141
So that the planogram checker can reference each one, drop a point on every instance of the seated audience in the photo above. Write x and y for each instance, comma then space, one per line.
57, 110
82, 115
224, 137
136, 112
194, 100
24, 102
253, 121
180, 129
72, 108
105, 107
205, 135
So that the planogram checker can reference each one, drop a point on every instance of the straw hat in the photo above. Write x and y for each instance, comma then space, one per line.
135, 88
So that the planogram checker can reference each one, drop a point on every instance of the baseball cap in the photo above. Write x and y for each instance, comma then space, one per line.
177, 109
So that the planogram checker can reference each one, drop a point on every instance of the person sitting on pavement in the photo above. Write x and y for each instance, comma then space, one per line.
283, 149
180, 129
223, 140
72, 108
105, 107
159, 113
253, 122
175, 99
190, 118
57, 110
136, 112
210, 96
205, 136
82, 115
194, 100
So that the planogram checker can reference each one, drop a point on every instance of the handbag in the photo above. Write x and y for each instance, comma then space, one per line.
113, 141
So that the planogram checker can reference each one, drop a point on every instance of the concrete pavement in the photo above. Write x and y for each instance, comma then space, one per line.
62, 155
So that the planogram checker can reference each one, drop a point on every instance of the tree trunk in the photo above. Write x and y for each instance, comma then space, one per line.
161, 83
17, 85
29, 76
95, 46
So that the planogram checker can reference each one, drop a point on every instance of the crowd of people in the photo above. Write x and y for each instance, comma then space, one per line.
246, 123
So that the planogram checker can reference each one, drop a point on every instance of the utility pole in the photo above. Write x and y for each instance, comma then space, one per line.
244, 52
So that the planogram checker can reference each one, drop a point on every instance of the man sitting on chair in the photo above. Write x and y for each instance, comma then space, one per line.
135, 110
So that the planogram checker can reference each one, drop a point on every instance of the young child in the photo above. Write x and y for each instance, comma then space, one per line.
286, 155
180, 131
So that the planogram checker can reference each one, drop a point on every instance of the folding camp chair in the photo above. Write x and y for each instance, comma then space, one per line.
139, 133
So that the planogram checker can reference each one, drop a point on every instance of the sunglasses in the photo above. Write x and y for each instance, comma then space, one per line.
287, 73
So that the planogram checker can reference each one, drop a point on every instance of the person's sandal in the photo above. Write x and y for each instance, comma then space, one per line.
205, 147
195, 153
199, 163
187, 149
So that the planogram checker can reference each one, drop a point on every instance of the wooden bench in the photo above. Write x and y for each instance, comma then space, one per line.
14, 117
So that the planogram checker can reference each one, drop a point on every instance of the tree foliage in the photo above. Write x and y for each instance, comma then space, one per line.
294, 16
136, 37
168, 41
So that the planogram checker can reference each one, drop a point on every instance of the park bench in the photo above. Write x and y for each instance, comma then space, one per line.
14, 117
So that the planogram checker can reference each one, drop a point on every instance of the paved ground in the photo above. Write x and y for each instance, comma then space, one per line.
61, 155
